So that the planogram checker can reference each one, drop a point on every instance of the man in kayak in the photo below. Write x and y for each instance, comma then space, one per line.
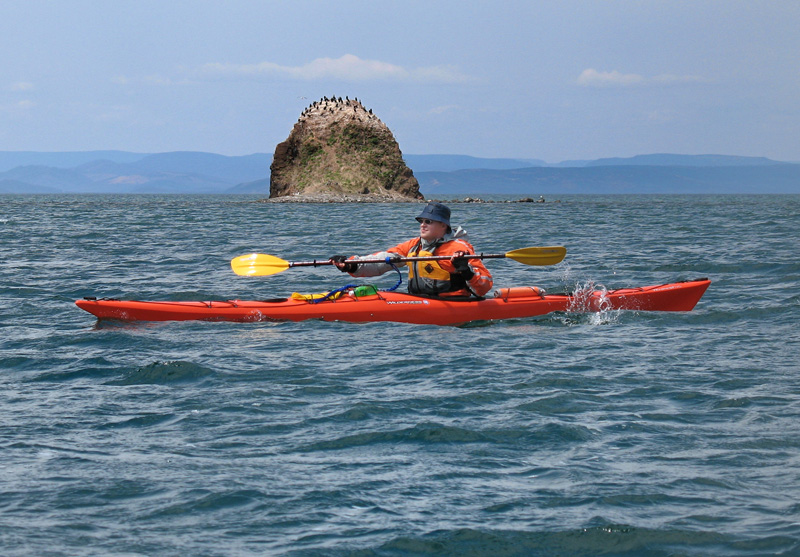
457, 276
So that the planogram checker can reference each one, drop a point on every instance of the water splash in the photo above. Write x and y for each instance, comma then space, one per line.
591, 301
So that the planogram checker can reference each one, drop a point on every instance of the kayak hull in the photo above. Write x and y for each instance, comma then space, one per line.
406, 308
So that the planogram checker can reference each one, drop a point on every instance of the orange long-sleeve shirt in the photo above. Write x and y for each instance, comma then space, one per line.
425, 277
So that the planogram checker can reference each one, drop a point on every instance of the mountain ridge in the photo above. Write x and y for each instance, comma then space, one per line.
631, 179
667, 159
199, 172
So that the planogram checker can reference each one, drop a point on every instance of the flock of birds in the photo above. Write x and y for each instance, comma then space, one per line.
334, 105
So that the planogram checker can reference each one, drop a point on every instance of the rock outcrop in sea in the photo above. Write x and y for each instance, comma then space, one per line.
338, 148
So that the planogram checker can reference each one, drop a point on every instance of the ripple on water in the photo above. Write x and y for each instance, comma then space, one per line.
627, 433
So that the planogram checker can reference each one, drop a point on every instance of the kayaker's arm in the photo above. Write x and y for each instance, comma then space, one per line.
351, 265
343, 265
462, 266
474, 272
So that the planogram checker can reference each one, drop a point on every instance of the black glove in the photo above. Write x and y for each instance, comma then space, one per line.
462, 266
349, 267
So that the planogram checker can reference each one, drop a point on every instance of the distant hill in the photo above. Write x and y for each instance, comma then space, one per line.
15, 186
257, 187
57, 179
630, 179
684, 160
120, 172
229, 169
13, 159
438, 175
449, 163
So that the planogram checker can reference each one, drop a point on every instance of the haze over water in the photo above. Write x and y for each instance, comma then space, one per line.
625, 433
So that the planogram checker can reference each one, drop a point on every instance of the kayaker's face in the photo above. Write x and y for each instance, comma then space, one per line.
430, 230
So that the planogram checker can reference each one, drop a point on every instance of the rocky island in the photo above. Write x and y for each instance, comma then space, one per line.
338, 151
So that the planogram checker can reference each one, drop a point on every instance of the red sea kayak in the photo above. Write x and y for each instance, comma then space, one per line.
509, 303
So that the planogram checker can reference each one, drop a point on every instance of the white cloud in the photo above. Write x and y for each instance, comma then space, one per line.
22, 86
593, 78
156, 79
345, 68
18, 108
444, 108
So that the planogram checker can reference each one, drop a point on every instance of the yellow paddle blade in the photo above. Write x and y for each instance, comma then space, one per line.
538, 256
258, 265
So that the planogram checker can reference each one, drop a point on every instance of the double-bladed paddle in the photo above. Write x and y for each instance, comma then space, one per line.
261, 264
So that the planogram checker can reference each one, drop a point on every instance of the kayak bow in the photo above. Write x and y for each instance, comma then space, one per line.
509, 303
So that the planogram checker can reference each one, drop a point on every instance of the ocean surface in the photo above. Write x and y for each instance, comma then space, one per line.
619, 433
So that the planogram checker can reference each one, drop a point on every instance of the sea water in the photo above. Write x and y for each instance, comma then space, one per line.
619, 433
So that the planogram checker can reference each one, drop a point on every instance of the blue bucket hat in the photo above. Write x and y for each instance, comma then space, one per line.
438, 212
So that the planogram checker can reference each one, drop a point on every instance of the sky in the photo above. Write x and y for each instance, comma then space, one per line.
567, 80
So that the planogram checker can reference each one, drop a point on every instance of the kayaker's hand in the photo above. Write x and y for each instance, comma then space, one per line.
343, 265
461, 264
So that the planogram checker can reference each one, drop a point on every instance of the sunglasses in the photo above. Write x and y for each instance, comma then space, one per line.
426, 221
